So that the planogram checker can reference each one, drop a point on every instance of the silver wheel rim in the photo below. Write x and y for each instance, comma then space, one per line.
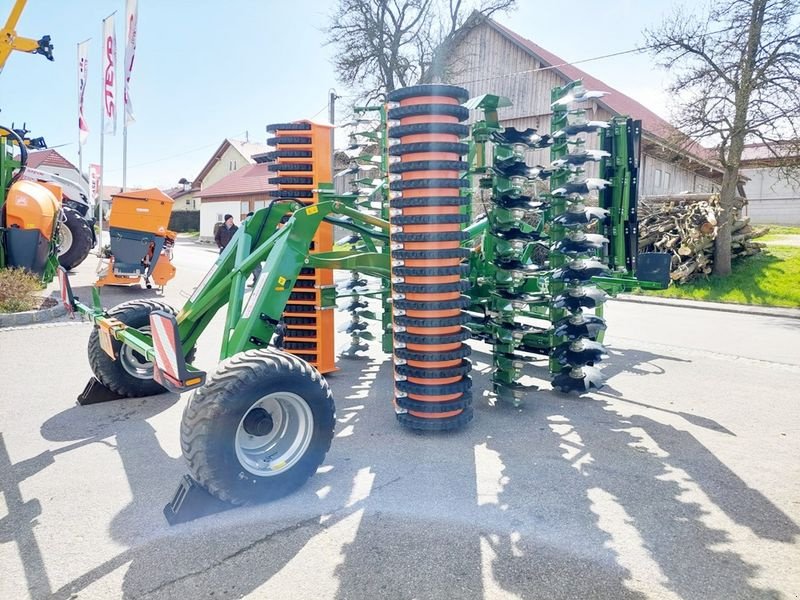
285, 444
65, 237
134, 363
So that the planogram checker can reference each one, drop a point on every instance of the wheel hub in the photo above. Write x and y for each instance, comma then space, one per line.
65, 239
258, 422
274, 434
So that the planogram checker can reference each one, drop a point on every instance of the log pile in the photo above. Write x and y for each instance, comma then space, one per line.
687, 226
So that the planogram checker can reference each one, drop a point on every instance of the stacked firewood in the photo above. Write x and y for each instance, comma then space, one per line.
686, 226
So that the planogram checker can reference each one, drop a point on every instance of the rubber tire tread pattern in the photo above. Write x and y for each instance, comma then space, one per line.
273, 127
431, 288
275, 154
447, 338
461, 302
435, 390
289, 180
290, 140
440, 356
443, 254
429, 201
436, 407
290, 167
428, 89
415, 184
429, 219
417, 147
234, 372
428, 165
431, 236
461, 270
81, 239
291, 194
434, 109
399, 131
435, 373
405, 321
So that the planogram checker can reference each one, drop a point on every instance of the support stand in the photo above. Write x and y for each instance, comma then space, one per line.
95, 393
191, 501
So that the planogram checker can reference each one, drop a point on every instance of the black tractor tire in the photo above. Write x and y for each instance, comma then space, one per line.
80, 238
214, 420
113, 373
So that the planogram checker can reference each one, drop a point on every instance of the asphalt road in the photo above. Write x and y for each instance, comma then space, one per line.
680, 479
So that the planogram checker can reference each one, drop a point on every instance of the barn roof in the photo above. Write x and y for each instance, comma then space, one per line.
250, 179
616, 102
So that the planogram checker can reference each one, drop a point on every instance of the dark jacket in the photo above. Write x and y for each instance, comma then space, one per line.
224, 235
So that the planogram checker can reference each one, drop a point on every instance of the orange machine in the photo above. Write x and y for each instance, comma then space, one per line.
141, 245
31, 216
302, 161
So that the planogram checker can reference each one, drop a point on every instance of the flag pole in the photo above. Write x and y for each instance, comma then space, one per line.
102, 126
80, 142
102, 136
124, 155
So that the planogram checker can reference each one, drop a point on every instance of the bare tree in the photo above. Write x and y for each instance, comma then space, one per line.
736, 80
385, 44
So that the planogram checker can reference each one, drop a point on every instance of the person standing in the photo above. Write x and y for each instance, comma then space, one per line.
225, 233
257, 268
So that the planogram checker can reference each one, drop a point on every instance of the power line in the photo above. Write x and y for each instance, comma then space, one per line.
584, 60
163, 158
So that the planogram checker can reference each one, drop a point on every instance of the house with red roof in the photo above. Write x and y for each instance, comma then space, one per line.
50, 161
488, 58
237, 194
230, 156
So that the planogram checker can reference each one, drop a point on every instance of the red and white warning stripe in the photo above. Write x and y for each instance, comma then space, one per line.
165, 345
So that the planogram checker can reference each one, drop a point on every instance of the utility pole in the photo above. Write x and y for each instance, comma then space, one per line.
332, 120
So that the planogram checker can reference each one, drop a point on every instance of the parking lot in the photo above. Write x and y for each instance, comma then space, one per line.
679, 479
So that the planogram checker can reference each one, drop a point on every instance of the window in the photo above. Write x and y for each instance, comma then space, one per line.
667, 177
189, 202
259, 204
245, 207
232, 165
657, 183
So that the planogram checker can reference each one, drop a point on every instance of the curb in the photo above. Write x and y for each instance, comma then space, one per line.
29, 317
747, 309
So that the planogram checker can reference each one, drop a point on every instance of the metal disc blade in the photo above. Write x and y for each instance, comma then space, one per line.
351, 327
590, 378
587, 329
353, 306
363, 335
590, 353
588, 298
587, 215
589, 243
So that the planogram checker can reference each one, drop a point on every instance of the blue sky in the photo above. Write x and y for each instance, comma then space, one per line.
207, 69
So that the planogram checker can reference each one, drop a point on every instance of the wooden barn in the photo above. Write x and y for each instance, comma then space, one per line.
490, 58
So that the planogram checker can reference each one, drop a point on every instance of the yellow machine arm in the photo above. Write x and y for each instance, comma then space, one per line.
9, 41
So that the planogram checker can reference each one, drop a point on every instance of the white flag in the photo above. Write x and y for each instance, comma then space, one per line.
95, 172
131, 18
83, 70
109, 76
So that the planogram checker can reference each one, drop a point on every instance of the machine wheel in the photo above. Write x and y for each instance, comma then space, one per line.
129, 374
259, 428
76, 239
